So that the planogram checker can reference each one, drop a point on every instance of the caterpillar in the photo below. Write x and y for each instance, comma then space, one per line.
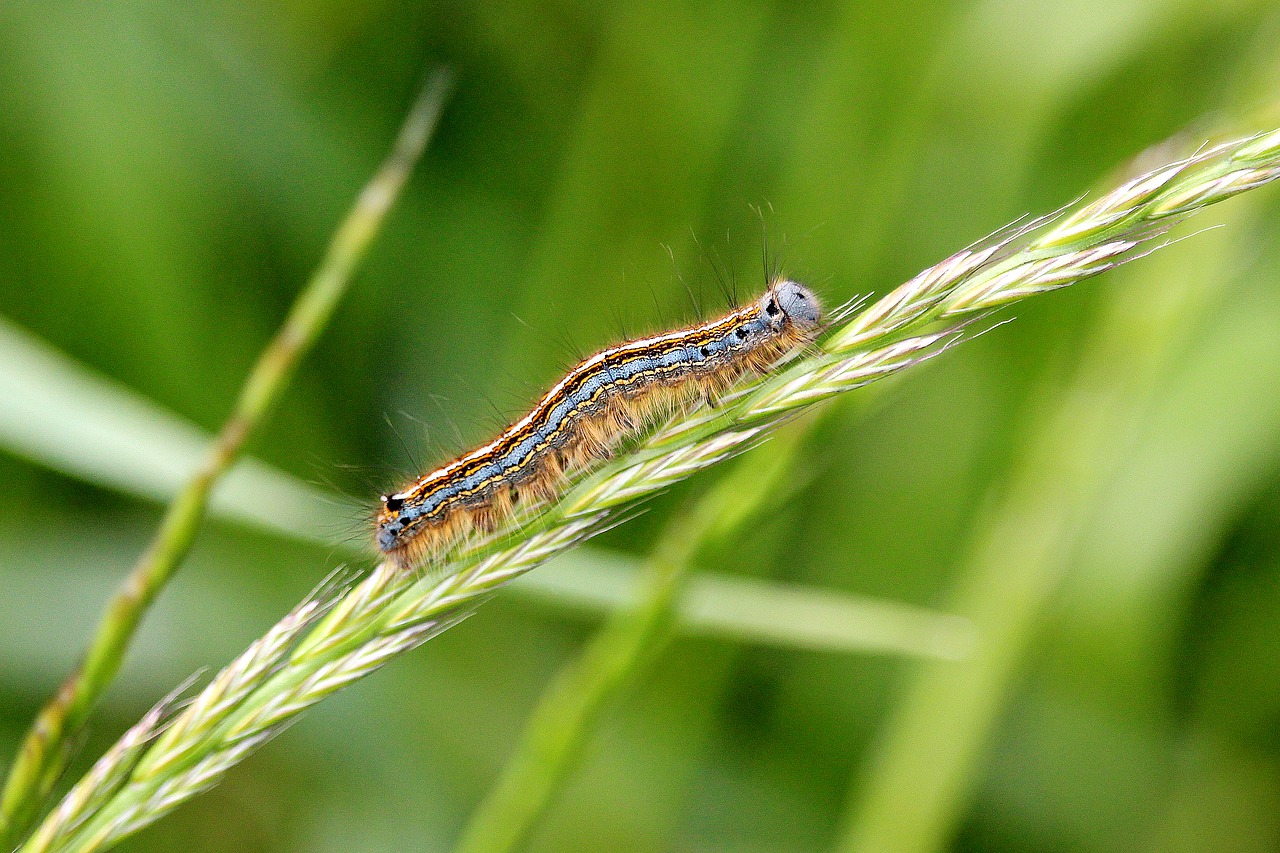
599, 404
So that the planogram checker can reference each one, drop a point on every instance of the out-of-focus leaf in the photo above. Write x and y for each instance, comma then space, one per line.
56, 412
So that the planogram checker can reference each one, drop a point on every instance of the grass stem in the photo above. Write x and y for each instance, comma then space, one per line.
568, 710
43, 754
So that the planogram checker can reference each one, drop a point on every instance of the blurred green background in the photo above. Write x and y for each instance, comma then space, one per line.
171, 171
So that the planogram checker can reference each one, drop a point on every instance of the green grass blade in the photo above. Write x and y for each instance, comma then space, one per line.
57, 413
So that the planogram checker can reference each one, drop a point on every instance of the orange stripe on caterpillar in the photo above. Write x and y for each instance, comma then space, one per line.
599, 404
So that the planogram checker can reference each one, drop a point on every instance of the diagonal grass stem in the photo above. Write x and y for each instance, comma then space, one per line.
43, 754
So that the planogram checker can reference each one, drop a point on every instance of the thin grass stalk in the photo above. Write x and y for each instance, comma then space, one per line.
390, 612
568, 710
43, 754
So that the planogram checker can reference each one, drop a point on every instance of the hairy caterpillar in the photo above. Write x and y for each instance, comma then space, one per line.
600, 403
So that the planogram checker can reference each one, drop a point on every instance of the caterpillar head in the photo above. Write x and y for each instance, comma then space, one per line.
787, 301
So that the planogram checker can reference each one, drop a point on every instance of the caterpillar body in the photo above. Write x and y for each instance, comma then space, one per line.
600, 403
